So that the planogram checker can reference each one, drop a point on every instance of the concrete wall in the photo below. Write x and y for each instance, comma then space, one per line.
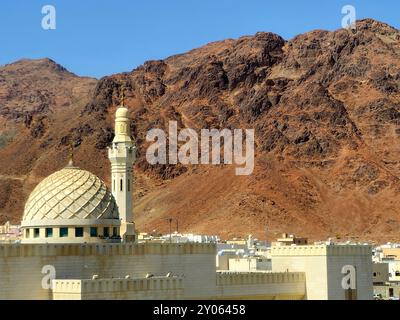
314, 267
21, 265
249, 264
320, 277
323, 264
358, 256
261, 286
380, 272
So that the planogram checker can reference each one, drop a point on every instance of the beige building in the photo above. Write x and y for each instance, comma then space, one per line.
392, 253
324, 267
249, 264
290, 239
380, 273
394, 270
387, 292
9, 232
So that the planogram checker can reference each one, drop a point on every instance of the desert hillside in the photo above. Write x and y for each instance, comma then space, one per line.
325, 107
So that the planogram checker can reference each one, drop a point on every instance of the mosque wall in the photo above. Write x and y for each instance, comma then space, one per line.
21, 265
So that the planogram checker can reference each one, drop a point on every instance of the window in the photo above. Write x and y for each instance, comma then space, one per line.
106, 232
79, 232
49, 232
120, 184
93, 232
63, 232
129, 185
113, 184
374, 274
27, 235
115, 231
397, 273
36, 232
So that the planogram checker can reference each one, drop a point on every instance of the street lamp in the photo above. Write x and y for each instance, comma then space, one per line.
170, 219
170, 229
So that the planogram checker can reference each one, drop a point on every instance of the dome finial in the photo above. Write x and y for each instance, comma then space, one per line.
122, 95
71, 154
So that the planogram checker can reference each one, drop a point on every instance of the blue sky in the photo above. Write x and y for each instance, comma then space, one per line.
97, 38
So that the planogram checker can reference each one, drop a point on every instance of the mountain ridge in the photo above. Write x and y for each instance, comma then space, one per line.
325, 106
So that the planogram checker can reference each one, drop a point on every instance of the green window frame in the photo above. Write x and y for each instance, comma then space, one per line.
78, 232
49, 232
93, 232
63, 232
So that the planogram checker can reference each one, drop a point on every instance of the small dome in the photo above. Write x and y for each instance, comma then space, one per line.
122, 112
70, 196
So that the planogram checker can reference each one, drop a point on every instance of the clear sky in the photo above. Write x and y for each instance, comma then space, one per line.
97, 37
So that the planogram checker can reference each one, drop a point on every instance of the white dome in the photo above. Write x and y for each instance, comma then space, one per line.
70, 196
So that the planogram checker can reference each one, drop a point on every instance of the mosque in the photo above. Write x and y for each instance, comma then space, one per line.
74, 206
79, 241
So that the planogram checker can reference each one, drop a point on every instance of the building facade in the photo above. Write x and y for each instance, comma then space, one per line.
325, 267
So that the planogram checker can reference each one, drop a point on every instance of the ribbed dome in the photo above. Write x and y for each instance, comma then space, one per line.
68, 197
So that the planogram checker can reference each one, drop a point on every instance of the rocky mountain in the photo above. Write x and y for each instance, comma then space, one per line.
325, 107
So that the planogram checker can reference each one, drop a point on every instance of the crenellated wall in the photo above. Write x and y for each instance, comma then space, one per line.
155, 288
318, 250
21, 265
261, 285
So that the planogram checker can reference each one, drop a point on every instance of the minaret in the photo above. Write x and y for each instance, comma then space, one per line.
122, 158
